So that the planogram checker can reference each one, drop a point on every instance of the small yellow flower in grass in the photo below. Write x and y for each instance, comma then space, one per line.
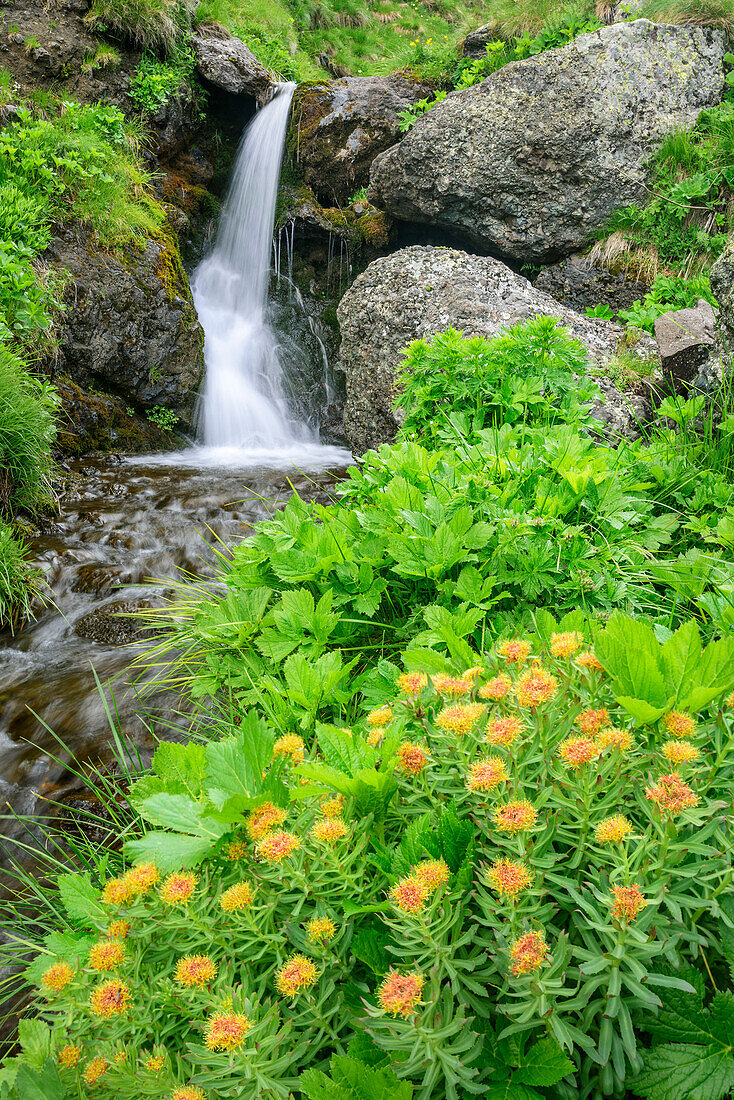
409, 894
515, 651
503, 731
329, 829
332, 807
263, 819
679, 724
69, 1056
412, 683
188, 1092
94, 1070
566, 644
236, 897
616, 738
275, 847
399, 994
460, 718
178, 888
296, 974
487, 774
514, 817
118, 930
671, 794
412, 758
613, 830
117, 892
290, 745
577, 751
142, 878
195, 970
508, 878
106, 955
496, 688
433, 873
226, 1030
535, 686
589, 660
109, 999
320, 929
591, 722
628, 902
57, 977
376, 736
680, 752
154, 1063
450, 685
379, 717
528, 953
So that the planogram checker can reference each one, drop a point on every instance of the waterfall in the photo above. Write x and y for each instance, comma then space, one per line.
243, 403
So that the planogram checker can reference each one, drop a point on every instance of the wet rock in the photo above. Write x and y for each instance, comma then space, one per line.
532, 161
112, 624
130, 322
338, 127
578, 283
94, 422
418, 291
686, 338
226, 62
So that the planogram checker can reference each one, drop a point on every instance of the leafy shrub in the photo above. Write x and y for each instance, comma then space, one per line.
155, 82
270, 51
152, 24
164, 418
487, 886
409, 117
668, 292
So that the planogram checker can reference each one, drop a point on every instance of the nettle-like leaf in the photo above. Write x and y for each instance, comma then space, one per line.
81, 900
350, 1079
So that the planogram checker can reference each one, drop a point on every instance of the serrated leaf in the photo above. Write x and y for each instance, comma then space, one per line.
721, 1020
182, 814
35, 1041
81, 900
184, 765
543, 1064
368, 1083
511, 1090
43, 1084
684, 1071
169, 851
369, 947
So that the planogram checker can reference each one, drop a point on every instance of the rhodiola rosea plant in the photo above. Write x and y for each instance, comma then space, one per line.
485, 887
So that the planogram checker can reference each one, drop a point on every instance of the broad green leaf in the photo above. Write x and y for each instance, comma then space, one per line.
169, 851
81, 900
43, 1084
35, 1041
181, 813
543, 1064
683, 1071
181, 764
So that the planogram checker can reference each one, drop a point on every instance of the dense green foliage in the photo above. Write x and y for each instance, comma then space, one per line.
156, 81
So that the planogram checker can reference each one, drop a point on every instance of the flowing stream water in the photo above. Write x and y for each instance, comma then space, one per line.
125, 520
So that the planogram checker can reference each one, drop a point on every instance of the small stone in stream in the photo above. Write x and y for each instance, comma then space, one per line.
686, 338
113, 624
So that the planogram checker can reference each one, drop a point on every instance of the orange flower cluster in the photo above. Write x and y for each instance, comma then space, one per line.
118, 930
528, 953
332, 807
69, 1056
57, 977
589, 660
565, 645
450, 685
296, 974
236, 897
226, 1030
613, 830
236, 849
577, 751
109, 999
399, 994
504, 731
320, 929
460, 718
508, 879
188, 1092
412, 758
412, 683
263, 819
329, 829
514, 817
379, 717
591, 722
680, 752
138, 881
106, 955
515, 651
275, 847
497, 688
433, 873
679, 724
614, 737
535, 686
155, 1063
672, 795
195, 970
410, 894
290, 745
628, 902
486, 774
94, 1070
376, 736
178, 888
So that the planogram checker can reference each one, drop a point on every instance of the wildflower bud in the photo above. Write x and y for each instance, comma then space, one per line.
57, 977
141, 879
94, 1070
412, 758
412, 683
106, 955
263, 819
236, 897
514, 817
178, 888
409, 894
275, 847
379, 717
508, 878
671, 794
496, 688
109, 999
514, 652
433, 873
328, 830
680, 752
194, 970
320, 929
679, 724
69, 1056
290, 745
565, 645
460, 718
504, 731
589, 660
188, 1092
575, 752
450, 685
486, 774
615, 738
226, 1030
613, 830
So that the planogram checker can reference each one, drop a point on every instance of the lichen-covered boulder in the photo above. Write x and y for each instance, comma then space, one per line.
418, 291
532, 161
130, 325
227, 63
338, 127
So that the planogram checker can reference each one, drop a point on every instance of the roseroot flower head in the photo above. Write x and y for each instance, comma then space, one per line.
226, 1030
329, 829
577, 751
450, 685
514, 817
379, 717
433, 873
679, 724
236, 849
332, 807
118, 930
94, 1070
236, 897
473, 673
57, 977
412, 758
178, 888
613, 830
589, 660
671, 794
515, 651
106, 955
528, 953
109, 999
188, 1092
399, 994
628, 902
195, 970
376, 736
616, 738
142, 878
290, 745
535, 686
298, 973
680, 752
409, 894
496, 688
460, 718
117, 892
486, 774
508, 878
154, 1063
591, 721
69, 1056
263, 819
412, 683
730, 700
320, 929
275, 847
565, 644
504, 731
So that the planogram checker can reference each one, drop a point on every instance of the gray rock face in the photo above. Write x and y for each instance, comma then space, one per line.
722, 284
226, 62
130, 323
338, 127
686, 338
578, 283
419, 291
474, 45
530, 162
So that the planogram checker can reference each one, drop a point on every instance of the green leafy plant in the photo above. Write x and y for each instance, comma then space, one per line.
166, 419
408, 119
155, 82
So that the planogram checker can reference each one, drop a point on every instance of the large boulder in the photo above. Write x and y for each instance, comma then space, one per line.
532, 161
226, 62
419, 291
130, 325
722, 284
338, 127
